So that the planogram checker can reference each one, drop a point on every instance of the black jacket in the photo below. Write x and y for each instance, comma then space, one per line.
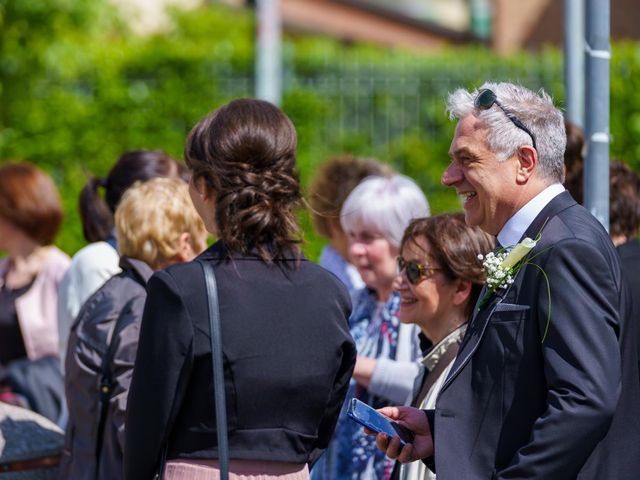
288, 358
515, 406
88, 340
630, 263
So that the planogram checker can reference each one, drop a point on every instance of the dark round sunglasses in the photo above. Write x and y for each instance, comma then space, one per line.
415, 271
487, 98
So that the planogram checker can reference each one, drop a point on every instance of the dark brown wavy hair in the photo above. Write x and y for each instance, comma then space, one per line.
573, 160
332, 184
246, 153
624, 200
454, 247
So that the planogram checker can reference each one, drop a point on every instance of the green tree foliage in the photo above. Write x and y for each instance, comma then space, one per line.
77, 89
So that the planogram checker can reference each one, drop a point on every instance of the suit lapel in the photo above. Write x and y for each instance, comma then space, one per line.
555, 206
481, 318
474, 334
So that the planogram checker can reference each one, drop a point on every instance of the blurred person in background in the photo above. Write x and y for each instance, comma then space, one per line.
439, 283
30, 217
329, 188
286, 348
574, 160
624, 222
94, 264
624, 212
374, 217
156, 226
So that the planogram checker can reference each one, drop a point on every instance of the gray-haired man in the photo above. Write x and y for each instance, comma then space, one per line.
546, 381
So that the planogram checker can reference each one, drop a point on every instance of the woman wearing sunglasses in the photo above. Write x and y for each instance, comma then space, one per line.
439, 282
374, 217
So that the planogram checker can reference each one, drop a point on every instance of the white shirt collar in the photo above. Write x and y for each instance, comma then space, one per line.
515, 227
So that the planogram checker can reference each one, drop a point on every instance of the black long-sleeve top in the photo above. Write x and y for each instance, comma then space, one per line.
288, 358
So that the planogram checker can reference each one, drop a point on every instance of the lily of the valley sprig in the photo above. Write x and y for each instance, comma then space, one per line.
500, 268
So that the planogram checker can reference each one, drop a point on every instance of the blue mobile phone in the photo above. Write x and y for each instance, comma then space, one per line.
373, 420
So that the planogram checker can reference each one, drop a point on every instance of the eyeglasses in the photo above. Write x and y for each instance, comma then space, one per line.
486, 99
415, 271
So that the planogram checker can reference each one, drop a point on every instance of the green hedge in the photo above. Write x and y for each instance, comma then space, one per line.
77, 89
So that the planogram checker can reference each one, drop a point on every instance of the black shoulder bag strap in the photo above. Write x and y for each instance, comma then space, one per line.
105, 384
431, 378
218, 370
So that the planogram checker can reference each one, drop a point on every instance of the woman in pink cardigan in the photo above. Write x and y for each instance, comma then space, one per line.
30, 216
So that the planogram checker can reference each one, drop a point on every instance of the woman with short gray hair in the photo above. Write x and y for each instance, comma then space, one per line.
374, 217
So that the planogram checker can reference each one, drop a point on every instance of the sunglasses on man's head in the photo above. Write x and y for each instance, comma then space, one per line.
487, 98
415, 271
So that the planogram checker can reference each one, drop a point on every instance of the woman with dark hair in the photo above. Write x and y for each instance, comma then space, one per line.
132, 166
574, 160
439, 283
30, 216
624, 223
94, 264
288, 355
330, 187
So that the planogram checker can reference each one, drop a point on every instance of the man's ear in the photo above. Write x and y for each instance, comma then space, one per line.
527, 163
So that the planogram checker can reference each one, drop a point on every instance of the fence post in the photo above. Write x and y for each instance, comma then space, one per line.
269, 51
596, 168
574, 73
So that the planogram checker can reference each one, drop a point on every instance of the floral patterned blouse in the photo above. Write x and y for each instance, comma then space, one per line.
377, 332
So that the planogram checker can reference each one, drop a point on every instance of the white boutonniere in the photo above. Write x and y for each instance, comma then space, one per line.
500, 269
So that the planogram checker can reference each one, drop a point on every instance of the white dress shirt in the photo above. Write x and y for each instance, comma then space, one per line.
514, 229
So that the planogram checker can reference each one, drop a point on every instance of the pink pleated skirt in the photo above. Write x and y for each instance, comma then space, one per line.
190, 469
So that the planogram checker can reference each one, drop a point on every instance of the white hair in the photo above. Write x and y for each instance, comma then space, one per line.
385, 205
535, 110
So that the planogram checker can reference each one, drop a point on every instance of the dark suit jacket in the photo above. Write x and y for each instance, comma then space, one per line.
630, 263
288, 358
515, 406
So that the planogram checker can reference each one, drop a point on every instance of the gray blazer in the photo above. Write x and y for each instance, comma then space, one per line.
88, 341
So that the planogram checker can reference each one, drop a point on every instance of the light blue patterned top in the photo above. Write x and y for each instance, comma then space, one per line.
377, 332
331, 260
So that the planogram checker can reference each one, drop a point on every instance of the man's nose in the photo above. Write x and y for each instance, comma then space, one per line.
452, 175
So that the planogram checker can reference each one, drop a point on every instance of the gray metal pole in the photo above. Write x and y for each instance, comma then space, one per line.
269, 51
596, 171
574, 60
481, 17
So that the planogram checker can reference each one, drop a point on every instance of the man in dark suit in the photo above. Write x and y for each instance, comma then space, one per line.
545, 384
